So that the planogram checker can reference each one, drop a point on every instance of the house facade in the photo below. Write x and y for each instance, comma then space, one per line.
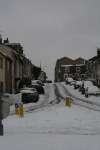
67, 67
17, 52
6, 70
94, 68
14, 67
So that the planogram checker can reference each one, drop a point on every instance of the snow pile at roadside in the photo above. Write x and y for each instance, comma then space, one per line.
29, 105
91, 88
78, 94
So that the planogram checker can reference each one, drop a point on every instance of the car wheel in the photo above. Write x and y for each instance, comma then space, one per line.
36, 99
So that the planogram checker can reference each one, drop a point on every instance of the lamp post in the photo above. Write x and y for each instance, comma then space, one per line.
1, 125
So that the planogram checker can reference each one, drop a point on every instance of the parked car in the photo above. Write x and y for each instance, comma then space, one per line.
69, 80
72, 83
29, 95
91, 89
38, 87
48, 81
37, 82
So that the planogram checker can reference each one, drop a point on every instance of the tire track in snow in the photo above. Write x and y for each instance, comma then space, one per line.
49, 99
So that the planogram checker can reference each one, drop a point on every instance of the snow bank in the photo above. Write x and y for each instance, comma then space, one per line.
77, 94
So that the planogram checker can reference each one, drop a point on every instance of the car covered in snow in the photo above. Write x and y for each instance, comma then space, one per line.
38, 87
29, 95
37, 82
69, 80
48, 81
91, 89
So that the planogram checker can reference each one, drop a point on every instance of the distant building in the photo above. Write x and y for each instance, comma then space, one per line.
42, 76
36, 71
67, 67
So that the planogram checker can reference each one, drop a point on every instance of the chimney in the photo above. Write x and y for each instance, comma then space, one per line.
6, 41
98, 51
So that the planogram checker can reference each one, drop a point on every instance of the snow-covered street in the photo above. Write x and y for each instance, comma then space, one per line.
52, 126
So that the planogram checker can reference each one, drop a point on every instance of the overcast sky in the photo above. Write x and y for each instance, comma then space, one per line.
51, 29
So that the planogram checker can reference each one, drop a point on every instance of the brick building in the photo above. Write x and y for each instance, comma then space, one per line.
67, 67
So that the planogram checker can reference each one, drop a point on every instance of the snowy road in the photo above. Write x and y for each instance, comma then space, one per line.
52, 126
45, 100
52, 96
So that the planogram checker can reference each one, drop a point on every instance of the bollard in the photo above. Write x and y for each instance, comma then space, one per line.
1, 117
68, 101
17, 109
21, 110
1, 129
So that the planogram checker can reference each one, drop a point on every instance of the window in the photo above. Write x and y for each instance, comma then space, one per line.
1, 62
77, 69
67, 69
65, 76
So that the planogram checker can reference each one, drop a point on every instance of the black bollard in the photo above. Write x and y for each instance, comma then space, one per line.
1, 128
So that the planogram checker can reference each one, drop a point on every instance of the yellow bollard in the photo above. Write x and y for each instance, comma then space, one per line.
16, 109
68, 101
21, 110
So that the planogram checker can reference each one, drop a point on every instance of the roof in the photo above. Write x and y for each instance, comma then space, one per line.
94, 58
68, 61
12, 44
65, 58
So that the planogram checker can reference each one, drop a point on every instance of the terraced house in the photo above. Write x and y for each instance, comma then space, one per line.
6, 69
94, 68
14, 66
